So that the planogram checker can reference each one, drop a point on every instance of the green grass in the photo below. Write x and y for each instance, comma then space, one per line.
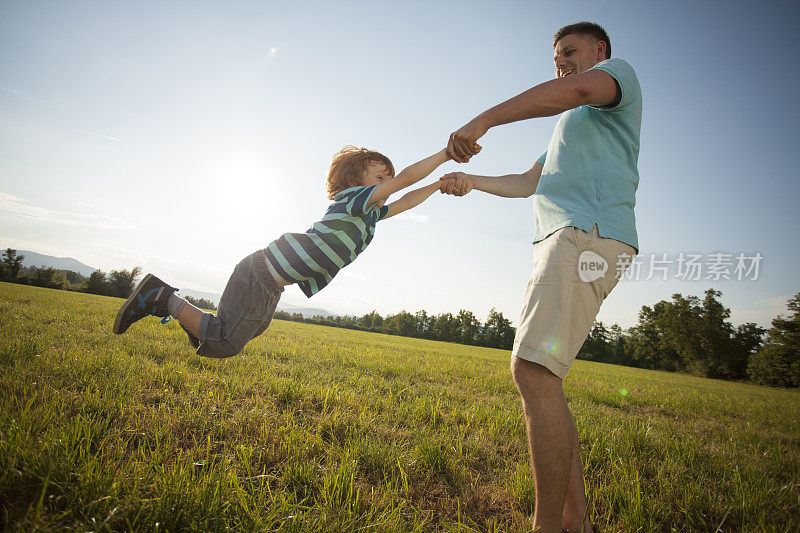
321, 429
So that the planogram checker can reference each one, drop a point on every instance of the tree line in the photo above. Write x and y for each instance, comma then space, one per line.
116, 283
462, 328
685, 334
119, 283
693, 335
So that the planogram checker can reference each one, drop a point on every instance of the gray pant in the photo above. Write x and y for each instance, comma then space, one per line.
245, 309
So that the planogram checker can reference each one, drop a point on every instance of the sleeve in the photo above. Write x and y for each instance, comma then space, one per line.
542, 158
626, 78
356, 201
382, 212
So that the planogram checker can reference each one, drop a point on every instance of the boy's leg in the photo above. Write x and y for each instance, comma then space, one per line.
150, 297
189, 316
154, 297
245, 309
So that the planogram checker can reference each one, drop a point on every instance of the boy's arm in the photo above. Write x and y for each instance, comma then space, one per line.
408, 176
508, 186
412, 199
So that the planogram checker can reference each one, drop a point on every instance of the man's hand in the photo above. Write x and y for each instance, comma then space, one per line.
456, 183
462, 144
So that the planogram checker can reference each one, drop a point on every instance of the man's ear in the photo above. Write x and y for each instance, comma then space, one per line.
601, 48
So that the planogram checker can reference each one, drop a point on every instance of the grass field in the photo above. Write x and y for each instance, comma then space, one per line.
322, 429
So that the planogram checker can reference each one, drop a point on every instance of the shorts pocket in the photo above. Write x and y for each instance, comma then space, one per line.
574, 232
247, 293
256, 306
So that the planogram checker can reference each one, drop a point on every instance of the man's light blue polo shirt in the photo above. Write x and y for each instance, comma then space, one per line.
590, 173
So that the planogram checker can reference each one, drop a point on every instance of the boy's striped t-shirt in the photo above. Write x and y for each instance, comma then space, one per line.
313, 258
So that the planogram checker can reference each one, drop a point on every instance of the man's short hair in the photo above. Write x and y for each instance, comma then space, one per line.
585, 28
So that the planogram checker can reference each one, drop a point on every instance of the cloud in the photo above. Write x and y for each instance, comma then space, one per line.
763, 312
273, 52
43, 103
98, 134
412, 216
777, 303
19, 206
20, 95
189, 271
110, 138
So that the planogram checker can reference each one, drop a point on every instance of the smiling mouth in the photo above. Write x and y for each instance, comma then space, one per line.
567, 73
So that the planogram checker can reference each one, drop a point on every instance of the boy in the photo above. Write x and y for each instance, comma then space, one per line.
359, 182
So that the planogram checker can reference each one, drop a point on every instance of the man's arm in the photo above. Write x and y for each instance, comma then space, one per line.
412, 198
508, 186
593, 87
408, 176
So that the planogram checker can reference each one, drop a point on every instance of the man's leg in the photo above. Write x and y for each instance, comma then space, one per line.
560, 307
550, 439
575, 503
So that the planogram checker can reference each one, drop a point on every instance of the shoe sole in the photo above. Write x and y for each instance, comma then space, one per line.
131, 300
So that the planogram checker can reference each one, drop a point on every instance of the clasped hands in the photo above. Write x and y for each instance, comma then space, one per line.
461, 146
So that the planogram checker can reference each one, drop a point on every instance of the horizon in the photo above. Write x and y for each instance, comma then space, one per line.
214, 296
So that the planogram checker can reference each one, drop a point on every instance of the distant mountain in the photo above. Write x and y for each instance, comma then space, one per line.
307, 312
60, 263
211, 296
68, 263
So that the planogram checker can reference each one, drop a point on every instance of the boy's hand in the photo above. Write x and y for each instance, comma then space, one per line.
456, 183
462, 144
446, 183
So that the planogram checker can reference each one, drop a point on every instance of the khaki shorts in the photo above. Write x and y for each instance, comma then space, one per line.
573, 272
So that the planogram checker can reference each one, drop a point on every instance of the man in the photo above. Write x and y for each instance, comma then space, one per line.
584, 189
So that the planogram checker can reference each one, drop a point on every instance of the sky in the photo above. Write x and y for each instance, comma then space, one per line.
182, 136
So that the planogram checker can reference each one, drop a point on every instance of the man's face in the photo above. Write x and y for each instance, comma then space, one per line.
375, 174
576, 53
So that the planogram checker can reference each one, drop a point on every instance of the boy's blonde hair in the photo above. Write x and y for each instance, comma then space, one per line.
349, 165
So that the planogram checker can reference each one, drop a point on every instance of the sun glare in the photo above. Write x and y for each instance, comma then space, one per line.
245, 191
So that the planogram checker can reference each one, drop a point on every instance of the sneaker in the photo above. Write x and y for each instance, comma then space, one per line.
150, 297
194, 341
